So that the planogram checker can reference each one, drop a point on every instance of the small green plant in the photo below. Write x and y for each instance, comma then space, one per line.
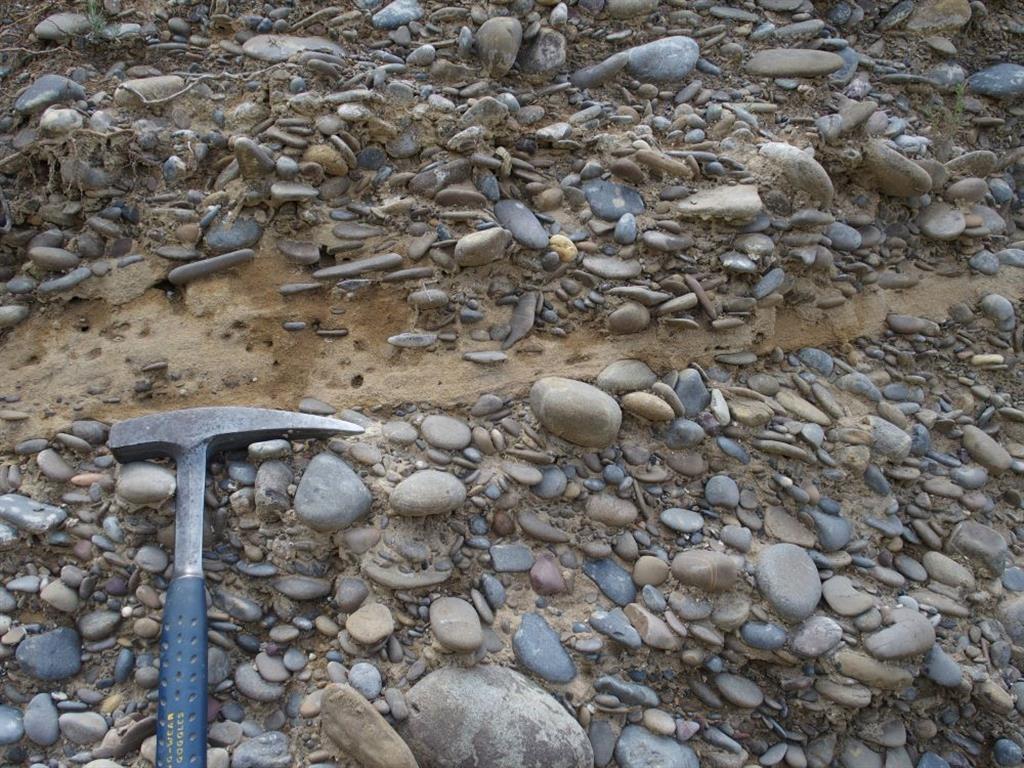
944, 119
96, 15
958, 104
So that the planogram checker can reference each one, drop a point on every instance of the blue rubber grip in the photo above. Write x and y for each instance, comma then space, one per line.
181, 721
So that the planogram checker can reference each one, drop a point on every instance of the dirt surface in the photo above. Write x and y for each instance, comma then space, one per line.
221, 347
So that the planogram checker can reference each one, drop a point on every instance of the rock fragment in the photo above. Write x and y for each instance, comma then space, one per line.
491, 715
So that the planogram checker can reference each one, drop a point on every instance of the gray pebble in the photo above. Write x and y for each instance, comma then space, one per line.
53, 655
511, 558
41, 724
639, 748
11, 725
267, 750
366, 679
613, 580
765, 637
788, 579
152, 558
331, 496
251, 685
28, 515
538, 648
83, 727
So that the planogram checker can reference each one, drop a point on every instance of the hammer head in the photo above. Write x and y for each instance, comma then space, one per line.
173, 433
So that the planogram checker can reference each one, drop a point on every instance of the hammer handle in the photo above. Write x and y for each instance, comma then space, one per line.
181, 721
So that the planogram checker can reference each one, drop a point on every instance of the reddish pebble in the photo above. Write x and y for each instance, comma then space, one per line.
502, 523
83, 549
546, 577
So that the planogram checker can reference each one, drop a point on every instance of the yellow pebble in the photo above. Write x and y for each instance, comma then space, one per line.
989, 359
111, 703
563, 246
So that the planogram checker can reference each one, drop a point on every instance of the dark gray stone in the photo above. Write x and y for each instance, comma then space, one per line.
763, 636
271, 488
613, 580
770, 283
238, 606
251, 685
639, 748
53, 655
980, 543
627, 692
11, 726
82, 727
615, 625
1002, 81
195, 270
522, 223
596, 74
971, 477
494, 591
910, 635
602, 740
851, 61
240, 234
47, 91
1013, 579
124, 665
682, 520
834, 532
610, 201
684, 433
843, 237
1007, 753
626, 229
817, 359
218, 665
985, 262
552, 485
350, 593
1010, 257
539, 649
860, 385
692, 392
302, 587
920, 440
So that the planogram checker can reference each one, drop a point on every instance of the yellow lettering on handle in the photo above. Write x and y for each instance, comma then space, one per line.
174, 749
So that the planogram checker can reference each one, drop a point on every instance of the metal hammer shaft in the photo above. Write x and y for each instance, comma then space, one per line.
190, 502
181, 715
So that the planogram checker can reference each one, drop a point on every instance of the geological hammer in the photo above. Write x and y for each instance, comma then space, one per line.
188, 437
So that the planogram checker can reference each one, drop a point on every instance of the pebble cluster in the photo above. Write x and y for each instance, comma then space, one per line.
776, 554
